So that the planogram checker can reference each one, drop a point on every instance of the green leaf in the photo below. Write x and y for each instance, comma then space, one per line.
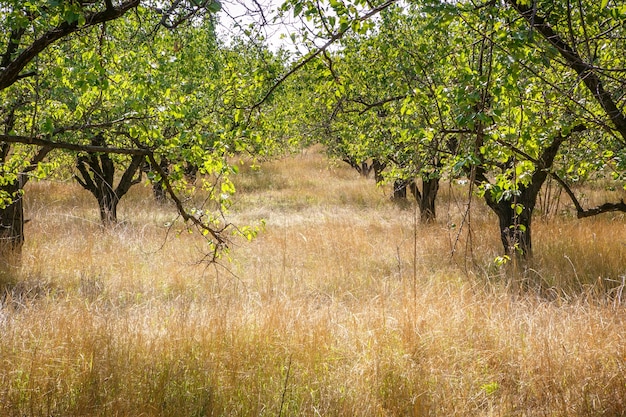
297, 9
48, 126
215, 6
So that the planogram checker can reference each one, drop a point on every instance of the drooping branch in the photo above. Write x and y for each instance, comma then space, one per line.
581, 212
187, 217
604, 208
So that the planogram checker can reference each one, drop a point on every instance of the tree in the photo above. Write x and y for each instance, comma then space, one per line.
32, 35
28, 30
97, 175
511, 112
528, 112
590, 40
381, 109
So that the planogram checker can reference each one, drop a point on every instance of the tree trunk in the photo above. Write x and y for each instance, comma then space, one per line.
160, 195
514, 219
515, 215
108, 207
191, 172
430, 188
378, 168
12, 222
426, 198
12, 216
399, 190
97, 173
365, 168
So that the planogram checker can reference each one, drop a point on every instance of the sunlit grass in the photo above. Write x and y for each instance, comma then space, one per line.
343, 306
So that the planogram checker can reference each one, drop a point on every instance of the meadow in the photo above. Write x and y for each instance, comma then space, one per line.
344, 305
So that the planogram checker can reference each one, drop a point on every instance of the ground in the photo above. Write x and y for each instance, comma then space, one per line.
343, 305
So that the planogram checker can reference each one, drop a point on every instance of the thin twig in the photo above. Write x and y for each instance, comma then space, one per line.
282, 400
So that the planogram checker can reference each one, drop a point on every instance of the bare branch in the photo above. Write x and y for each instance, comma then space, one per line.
313, 54
38, 141
582, 213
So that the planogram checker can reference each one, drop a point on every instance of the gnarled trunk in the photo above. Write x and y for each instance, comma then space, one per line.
514, 219
97, 173
426, 198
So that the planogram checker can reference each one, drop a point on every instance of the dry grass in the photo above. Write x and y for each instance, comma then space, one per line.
341, 307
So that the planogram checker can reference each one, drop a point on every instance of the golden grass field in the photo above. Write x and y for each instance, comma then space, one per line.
342, 306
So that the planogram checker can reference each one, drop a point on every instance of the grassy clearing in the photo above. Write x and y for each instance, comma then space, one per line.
342, 306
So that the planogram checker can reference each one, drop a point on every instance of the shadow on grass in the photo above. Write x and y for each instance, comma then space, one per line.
16, 290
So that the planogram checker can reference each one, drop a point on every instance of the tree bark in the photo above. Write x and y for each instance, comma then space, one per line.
426, 198
12, 221
514, 219
378, 168
12, 215
97, 174
399, 190
107, 203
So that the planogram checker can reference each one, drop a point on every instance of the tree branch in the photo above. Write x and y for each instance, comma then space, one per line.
369, 106
312, 55
585, 71
38, 141
12, 45
215, 234
604, 208
11, 72
581, 213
